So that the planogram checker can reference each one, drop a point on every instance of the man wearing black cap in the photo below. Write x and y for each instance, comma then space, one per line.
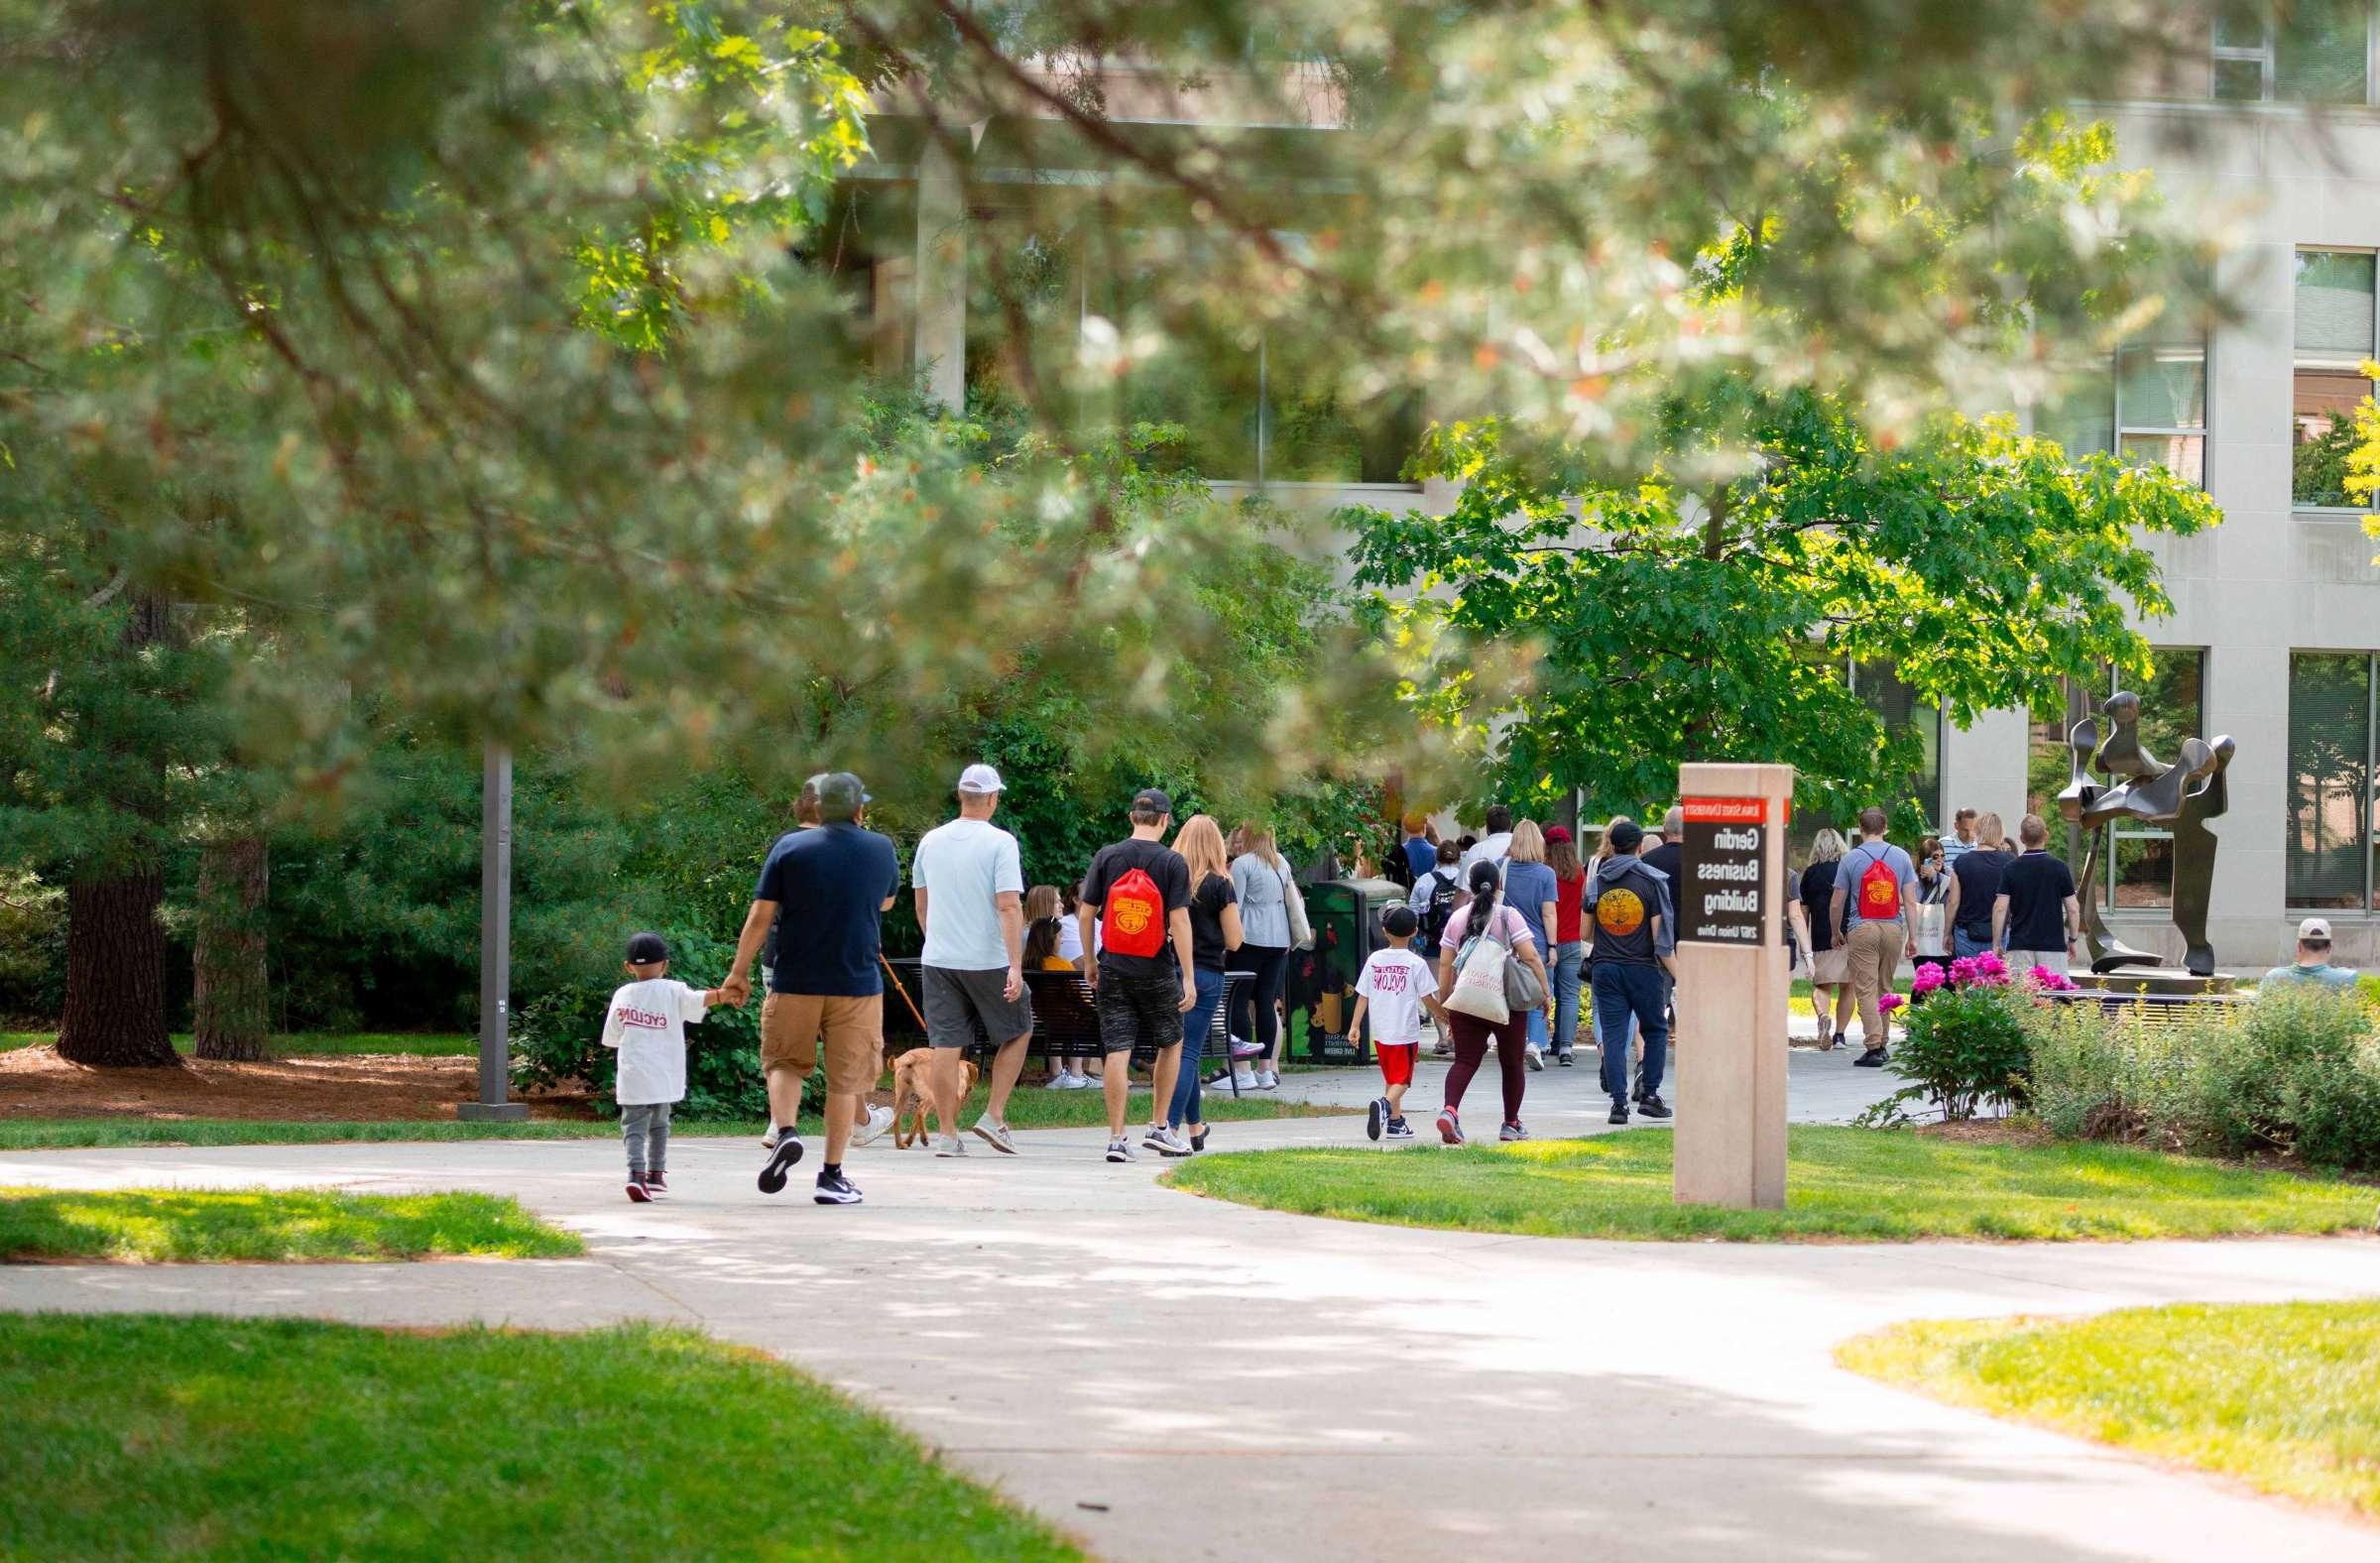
1137, 898
833, 886
1627, 917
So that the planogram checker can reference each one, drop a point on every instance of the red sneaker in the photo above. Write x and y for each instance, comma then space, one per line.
638, 1192
656, 1185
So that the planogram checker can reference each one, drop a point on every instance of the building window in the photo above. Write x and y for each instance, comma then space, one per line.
2301, 52
2147, 407
2332, 798
2137, 860
1902, 710
2333, 338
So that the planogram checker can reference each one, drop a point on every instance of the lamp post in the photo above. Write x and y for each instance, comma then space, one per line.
495, 942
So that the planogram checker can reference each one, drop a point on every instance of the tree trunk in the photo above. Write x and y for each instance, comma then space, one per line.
115, 1011
231, 1001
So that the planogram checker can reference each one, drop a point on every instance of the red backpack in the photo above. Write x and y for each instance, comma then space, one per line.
1132, 921
1879, 892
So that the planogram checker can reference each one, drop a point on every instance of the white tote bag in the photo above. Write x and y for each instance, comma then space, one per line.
1479, 979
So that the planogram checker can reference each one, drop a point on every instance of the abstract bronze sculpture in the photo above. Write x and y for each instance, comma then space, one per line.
2184, 795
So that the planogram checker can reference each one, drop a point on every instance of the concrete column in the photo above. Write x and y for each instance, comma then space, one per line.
942, 275
1731, 996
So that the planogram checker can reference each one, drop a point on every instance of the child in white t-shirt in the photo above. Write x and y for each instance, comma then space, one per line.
1398, 991
647, 1022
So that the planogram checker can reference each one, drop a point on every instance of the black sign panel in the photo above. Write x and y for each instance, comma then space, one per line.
1726, 895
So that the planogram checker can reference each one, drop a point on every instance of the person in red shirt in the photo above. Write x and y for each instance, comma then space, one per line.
1570, 941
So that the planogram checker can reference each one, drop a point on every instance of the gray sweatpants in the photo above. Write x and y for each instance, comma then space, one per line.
646, 1131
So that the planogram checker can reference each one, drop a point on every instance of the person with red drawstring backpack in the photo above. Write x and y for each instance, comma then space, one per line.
1136, 900
1875, 896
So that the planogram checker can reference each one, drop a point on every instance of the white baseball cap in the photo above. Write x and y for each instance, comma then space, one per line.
2314, 928
979, 779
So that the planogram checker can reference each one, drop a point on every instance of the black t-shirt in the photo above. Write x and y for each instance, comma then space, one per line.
1617, 912
1669, 858
1206, 920
1978, 874
2036, 886
830, 886
1172, 876
1818, 902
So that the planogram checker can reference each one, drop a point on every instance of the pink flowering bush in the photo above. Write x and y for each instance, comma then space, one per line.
1887, 1003
1965, 1047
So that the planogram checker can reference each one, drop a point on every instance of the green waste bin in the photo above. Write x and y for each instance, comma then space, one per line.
1346, 915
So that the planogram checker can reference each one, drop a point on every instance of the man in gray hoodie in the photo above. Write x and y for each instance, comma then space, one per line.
1630, 918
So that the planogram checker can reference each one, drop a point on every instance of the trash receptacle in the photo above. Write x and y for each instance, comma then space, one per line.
1346, 915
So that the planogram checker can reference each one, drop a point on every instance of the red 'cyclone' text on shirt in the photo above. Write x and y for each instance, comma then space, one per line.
642, 1019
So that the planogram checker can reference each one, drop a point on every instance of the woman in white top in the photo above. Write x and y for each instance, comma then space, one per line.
1485, 910
1261, 879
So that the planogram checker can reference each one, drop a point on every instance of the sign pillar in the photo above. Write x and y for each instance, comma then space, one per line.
1733, 986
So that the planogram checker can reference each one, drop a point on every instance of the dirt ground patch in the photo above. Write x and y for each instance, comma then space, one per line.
1988, 1131
36, 1083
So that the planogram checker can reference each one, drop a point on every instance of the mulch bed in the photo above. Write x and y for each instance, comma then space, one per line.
36, 1083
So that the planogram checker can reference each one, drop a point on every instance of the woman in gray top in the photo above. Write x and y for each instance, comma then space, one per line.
1260, 878
1532, 889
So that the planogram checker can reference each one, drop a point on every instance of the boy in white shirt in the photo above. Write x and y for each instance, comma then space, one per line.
648, 1025
1397, 989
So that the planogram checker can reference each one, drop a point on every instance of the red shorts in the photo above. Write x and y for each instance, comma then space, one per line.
1397, 1062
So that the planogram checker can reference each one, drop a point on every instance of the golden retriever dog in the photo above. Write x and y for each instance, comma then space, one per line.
912, 1119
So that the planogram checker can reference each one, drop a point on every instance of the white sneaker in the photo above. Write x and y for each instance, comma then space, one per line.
769, 1139
1536, 1059
1077, 1082
1247, 1082
880, 1119
1120, 1151
1270, 1080
1061, 1081
951, 1146
1165, 1143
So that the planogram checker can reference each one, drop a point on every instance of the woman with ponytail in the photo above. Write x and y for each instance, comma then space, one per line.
1487, 912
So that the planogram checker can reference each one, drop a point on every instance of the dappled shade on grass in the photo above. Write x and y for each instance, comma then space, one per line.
281, 1437
155, 1225
1855, 1183
2282, 1396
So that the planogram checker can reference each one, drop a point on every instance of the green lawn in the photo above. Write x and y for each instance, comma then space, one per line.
1872, 1185
309, 1044
2282, 1396
1029, 1107
162, 1225
149, 1436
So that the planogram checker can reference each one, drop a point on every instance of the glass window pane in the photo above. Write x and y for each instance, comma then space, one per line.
2144, 869
2335, 304
2323, 431
2082, 417
2184, 455
2239, 25
1902, 711
2328, 844
2321, 50
2239, 81
2163, 387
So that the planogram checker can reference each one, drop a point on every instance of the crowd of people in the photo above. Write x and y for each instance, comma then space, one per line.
1508, 943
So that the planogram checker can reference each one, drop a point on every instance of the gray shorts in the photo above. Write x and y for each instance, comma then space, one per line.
956, 999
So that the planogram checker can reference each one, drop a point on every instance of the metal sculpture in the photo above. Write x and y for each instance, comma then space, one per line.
2184, 795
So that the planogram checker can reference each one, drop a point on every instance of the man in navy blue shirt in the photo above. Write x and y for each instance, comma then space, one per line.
827, 891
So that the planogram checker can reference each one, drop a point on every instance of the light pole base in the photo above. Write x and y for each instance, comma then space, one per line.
492, 1112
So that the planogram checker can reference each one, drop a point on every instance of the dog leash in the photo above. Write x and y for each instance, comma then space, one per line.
895, 978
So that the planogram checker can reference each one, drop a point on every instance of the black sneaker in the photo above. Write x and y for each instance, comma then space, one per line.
772, 1171
1620, 1113
835, 1189
1374, 1117
1839, 1044
1566, 1061
1651, 1105
1873, 1058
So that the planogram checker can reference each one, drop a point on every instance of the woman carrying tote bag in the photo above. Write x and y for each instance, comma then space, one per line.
1500, 944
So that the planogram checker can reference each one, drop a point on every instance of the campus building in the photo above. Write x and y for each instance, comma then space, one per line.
2271, 131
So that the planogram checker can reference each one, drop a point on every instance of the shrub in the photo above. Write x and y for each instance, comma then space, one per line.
1964, 1046
557, 1039
2297, 1071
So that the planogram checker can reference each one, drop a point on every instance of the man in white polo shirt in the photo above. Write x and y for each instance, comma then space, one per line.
970, 891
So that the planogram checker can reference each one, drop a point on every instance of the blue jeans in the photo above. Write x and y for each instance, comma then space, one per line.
1537, 1028
1195, 1024
1568, 958
1625, 993
1964, 948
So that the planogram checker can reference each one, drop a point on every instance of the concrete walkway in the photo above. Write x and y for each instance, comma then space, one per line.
1173, 1377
